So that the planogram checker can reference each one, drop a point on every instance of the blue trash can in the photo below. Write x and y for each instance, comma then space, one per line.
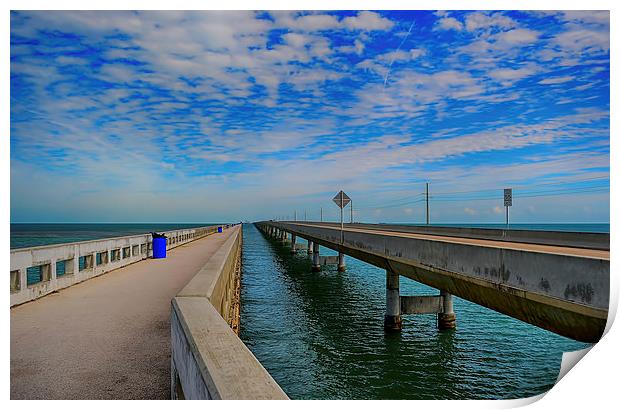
219, 229
159, 246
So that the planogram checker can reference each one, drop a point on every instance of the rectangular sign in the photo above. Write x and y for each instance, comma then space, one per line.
341, 199
508, 197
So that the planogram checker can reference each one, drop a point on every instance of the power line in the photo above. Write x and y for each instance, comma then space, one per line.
407, 200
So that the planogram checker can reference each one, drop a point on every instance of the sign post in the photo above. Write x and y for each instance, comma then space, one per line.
507, 202
341, 199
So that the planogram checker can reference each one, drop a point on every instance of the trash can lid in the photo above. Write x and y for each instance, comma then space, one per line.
158, 235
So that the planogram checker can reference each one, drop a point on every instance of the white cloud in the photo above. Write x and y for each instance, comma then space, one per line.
316, 22
481, 20
600, 17
367, 20
163, 120
518, 36
359, 47
557, 80
583, 40
450, 23
68, 60
509, 75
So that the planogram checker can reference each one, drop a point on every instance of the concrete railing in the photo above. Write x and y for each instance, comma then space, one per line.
587, 240
40, 270
208, 360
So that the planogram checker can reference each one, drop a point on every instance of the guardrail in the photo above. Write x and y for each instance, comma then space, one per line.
40, 270
208, 360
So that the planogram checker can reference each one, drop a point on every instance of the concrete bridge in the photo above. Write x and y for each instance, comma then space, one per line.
558, 281
101, 320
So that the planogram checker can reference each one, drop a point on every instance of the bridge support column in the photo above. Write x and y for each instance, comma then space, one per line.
293, 242
392, 307
341, 265
316, 260
447, 319
309, 247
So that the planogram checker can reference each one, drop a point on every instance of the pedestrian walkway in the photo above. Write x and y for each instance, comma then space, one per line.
108, 337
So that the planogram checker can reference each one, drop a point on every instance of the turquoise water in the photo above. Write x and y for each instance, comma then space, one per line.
320, 335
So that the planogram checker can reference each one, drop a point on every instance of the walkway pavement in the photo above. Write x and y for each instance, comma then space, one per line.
108, 337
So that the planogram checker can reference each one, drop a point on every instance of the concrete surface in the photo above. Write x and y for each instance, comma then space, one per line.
591, 240
108, 337
209, 361
561, 288
114, 253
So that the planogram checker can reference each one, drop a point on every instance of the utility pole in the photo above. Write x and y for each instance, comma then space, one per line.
295, 216
341, 219
427, 210
321, 214
305, 215
351, 211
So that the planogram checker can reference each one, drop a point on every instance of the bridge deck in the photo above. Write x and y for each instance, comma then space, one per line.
551, 249
108, 337
558, 281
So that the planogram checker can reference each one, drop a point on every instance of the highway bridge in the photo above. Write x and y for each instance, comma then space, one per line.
102, 319
558, 281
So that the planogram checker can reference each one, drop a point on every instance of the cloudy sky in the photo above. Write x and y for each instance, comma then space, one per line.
223, 116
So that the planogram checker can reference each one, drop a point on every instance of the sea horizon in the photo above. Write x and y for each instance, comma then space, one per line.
25, 235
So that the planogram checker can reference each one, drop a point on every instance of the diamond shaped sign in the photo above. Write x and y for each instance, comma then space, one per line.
341, 199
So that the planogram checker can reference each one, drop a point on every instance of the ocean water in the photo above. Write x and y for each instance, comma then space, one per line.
26, 235
321, 336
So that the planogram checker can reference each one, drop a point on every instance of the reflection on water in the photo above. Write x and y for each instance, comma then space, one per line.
320, 335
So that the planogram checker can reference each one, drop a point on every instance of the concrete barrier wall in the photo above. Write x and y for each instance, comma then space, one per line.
84, 260
208, 360
587, 240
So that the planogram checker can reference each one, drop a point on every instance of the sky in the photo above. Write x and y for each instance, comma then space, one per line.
226, 116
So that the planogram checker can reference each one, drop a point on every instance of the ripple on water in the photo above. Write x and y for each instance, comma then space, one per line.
320, 335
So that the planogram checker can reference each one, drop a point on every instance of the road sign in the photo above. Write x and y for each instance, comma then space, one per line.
508, 197
341, 199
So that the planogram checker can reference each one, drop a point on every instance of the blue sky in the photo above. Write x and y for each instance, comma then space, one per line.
222, 116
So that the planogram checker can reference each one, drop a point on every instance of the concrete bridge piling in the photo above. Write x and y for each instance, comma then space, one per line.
392, 319
447, 318
311, 249
558, 281
316, 259
341, 264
